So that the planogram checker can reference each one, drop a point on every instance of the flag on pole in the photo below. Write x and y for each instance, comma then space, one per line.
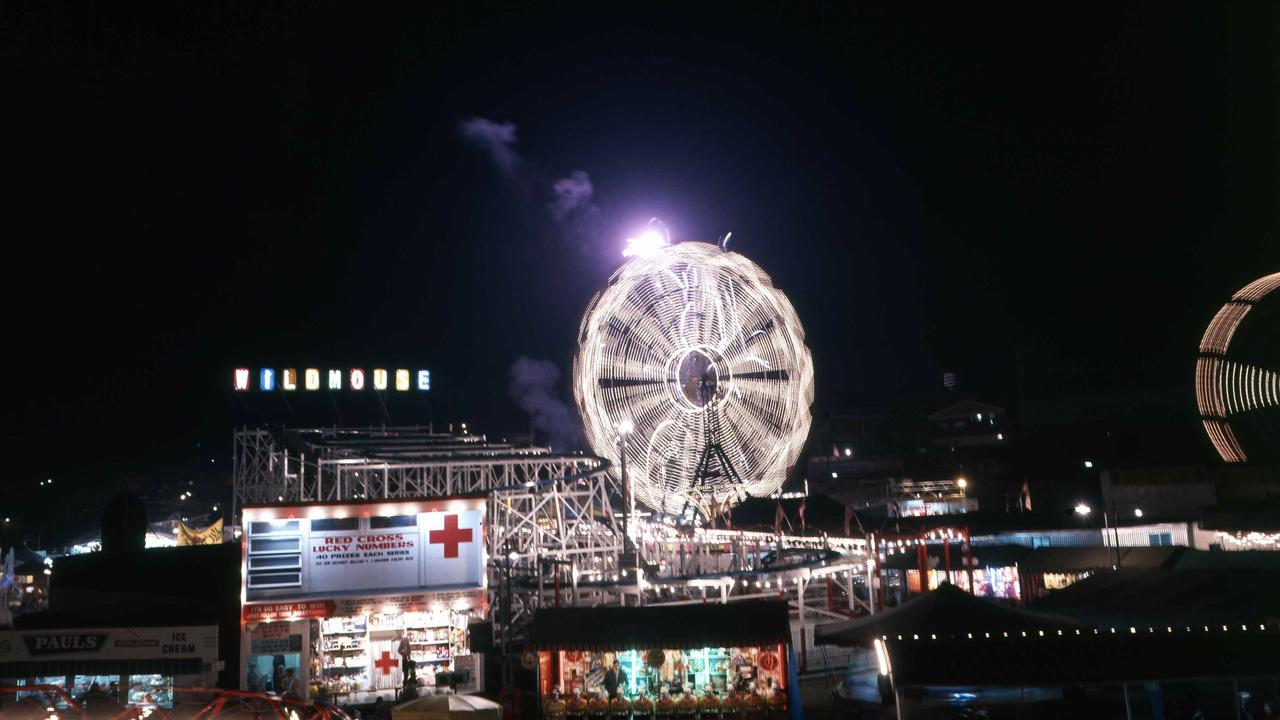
1025, 499
803, 502
777, 519
211, 535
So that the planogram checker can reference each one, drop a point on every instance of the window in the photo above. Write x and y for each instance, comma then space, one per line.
1160, 539
263, 562
323, 524
257, 545
395, 521
151, 690
261, 528
82, 684
276, 579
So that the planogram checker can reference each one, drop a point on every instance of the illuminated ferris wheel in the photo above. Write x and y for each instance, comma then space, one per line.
693, 365
1237, 383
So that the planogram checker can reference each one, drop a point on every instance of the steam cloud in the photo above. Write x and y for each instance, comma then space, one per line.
496, 139
572, 204
533, 387
572, 194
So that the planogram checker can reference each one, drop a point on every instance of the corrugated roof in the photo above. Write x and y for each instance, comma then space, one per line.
740, 624
1071, 659
1170, 597
1076, 559
945, 612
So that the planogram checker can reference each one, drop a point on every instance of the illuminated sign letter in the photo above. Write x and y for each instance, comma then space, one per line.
242, 379
267, 380
290, 381
379, 379
402, 380
335, 379
424, 379
357, 379
312, 376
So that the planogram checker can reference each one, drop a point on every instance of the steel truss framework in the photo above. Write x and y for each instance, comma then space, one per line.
554, 532
266, 470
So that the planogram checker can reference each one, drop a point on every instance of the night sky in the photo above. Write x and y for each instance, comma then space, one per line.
1051, 205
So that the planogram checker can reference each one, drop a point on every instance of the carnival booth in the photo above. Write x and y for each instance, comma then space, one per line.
677, 660
358, 600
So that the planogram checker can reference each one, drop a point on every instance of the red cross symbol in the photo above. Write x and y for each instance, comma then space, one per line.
386, 663
451, 536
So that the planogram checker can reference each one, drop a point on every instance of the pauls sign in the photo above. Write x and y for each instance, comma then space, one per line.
111, 643
64, 643
312, 379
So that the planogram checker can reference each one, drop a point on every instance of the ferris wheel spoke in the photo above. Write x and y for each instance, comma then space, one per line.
779, 374
627, 382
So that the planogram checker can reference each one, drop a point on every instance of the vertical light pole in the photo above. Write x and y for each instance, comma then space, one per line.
625, 428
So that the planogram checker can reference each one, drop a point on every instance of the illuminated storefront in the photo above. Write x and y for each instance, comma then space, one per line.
138, 665
331, 590
993, 582
703, 653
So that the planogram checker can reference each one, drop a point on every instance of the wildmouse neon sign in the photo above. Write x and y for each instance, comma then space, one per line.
311, 379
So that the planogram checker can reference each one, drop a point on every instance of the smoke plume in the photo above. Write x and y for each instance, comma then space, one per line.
572, 198
533, 387
498, 140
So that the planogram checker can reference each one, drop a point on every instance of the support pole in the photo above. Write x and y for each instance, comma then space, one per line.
804, 654
968, 561
922, 563
946, 555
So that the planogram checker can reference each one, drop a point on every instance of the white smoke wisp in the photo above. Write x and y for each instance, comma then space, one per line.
572, 194
498, 140
534, 387
572, 206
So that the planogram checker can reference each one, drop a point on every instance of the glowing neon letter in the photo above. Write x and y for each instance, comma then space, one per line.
424, 379
312, 376
267, 380
402, 380
335, 379
290, 381
242, 379
357, 379
379, 379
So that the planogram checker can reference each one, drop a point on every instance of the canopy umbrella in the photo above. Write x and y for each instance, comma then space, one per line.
447, 707
947, 612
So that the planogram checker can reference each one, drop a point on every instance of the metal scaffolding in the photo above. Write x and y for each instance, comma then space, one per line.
554, 528
327, 465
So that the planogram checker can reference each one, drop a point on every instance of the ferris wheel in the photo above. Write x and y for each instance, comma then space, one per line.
693, 367
1237, 383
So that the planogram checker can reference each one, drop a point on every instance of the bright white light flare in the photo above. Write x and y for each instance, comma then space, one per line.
694, 346
646, 245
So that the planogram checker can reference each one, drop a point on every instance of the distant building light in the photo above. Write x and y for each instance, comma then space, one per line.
848, 452
1083, 509
1137, 512
978, 417
1088, 463
835, 475
999, 436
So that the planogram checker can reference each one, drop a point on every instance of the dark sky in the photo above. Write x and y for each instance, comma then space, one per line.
1064, 197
